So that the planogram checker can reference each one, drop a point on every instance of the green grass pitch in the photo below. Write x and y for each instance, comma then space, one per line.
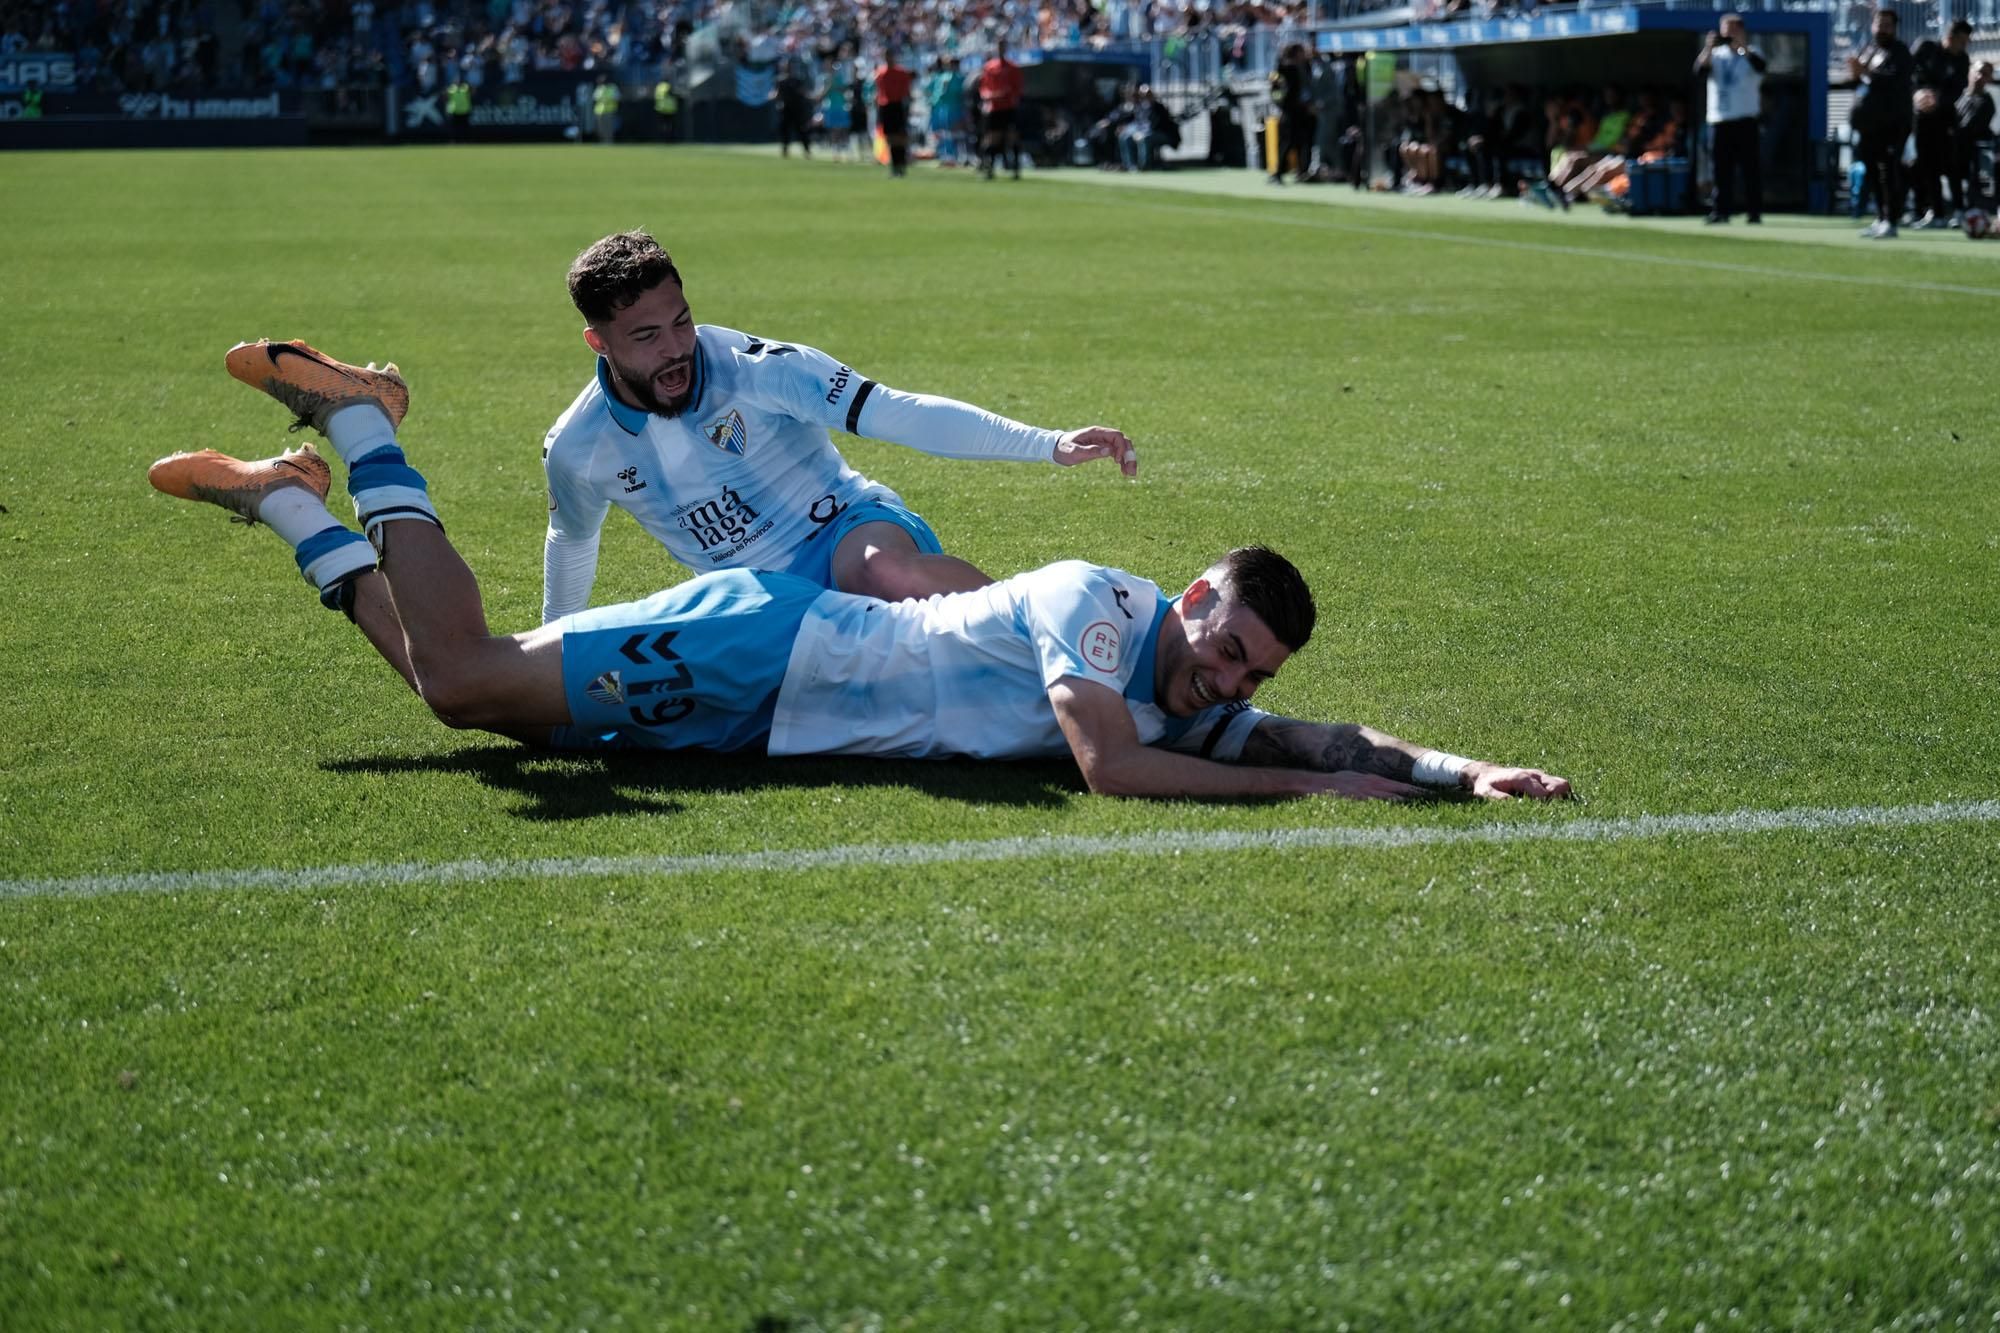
1704, 522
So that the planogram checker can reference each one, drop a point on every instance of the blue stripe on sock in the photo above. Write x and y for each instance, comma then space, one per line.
366, 477
330, 539
387, 453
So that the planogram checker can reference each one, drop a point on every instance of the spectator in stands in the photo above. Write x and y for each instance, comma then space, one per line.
1291, 97
1475, 144
1001, 85
1426, 139
1974, 127
1734, 70
1655, 133
892, 110
1567, 128
1568, 165
1510, 137
1942, 71
1881, 118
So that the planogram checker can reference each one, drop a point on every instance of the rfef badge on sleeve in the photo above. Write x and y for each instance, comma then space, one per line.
1099, 646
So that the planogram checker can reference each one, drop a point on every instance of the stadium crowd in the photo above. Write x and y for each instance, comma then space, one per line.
261, 45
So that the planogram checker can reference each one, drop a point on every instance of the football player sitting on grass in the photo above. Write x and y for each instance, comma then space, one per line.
1149, 693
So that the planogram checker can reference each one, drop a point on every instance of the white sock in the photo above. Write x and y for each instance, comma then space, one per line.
295, 513
359, 429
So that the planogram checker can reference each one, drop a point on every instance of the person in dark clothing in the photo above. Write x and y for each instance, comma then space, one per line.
1109, 132
1734, 70
1974, 126
857, 112
1515, 136
1150, 130
795, 102
1881, 117
1291, 92
1942, 72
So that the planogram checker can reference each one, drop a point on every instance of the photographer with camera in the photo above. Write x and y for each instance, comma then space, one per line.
1735, 73
1881, 118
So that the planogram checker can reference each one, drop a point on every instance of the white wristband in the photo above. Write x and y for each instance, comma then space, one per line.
1438, 768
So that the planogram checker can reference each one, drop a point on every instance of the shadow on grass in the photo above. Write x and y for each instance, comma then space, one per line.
560, 787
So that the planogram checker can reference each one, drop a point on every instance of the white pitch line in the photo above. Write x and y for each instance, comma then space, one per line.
1165, 843
1318, 223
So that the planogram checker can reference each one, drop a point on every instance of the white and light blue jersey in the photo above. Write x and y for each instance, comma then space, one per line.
969, 674
747, 476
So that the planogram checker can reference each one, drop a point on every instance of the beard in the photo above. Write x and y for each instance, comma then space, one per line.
645, 394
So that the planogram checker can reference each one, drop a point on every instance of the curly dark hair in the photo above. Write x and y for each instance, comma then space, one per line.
617, 271
1270, 585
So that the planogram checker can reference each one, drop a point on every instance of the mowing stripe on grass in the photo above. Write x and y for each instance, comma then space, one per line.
1319, 223
1164, 843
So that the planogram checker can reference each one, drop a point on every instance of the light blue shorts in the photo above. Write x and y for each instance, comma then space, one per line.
694, 667
815, 558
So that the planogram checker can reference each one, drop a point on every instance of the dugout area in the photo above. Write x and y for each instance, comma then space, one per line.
1636, 48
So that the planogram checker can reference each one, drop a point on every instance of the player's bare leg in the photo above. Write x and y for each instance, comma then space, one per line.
374, 614
288, 493
417, 603
881, 560
511, 684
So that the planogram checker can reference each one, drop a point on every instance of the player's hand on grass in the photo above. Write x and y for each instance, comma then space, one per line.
1354, 786
1500, 784
1081, 446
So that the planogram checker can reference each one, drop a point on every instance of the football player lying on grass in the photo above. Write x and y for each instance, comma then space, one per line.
1150, 694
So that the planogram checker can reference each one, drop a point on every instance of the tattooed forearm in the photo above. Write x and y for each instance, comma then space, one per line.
1283, 742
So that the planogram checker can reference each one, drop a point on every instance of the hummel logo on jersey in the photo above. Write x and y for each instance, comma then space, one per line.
727, 433
631, 485
759, 345
838, 385
1119, 595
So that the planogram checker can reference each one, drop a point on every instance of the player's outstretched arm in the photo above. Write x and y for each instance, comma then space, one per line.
1105, 742
1287, 742
1081, 446
951, 429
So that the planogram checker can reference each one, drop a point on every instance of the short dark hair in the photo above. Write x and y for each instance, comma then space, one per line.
617, 271
1890, 14
1960, 26
1265, 582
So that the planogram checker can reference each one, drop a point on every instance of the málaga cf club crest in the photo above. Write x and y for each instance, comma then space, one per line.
727, 433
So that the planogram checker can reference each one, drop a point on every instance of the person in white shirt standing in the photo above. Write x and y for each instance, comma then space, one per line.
716, 442
1735, 73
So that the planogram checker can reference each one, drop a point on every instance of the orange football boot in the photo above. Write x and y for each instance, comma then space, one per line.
314, 385
238, 486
